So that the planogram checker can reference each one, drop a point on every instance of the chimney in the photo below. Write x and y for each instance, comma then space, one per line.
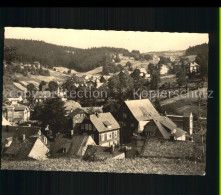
23, 137
45, 140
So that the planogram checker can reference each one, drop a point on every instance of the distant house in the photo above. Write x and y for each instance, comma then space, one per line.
70, 146
40, 96
77, 116
104, 78
16, 113
17, 132
102, 153
103, 128
85, 77
194, 67
164, 69
172, 59
37, 64
70, 106
140, 117
15, 100
27, 148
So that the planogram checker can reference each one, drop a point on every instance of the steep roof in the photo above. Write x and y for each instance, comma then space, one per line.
96, 153
100, 121
21, 149
72, 145
143, 110
5, 122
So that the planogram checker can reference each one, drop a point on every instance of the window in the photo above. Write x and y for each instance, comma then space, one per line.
82, 126
124, 115
112, 134
115, 134
90, 127
132, 124
102, 137
86, 126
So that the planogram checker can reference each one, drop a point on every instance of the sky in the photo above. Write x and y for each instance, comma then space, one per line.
131, 40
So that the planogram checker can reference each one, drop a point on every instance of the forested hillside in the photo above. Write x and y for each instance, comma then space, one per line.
50, 55
198, 49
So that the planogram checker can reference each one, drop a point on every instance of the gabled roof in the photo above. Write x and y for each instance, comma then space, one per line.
21, 149
21, 108
95, 109
100, 119
142, 109
73, 145
5, 122
97, 153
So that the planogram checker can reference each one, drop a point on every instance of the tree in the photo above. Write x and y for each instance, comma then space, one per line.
181, 77
157, 105
154, 83
106, 70
10, 54
42, 83
117, 60
53, 86
137, 78
202, 60
164, 60
52, 112
30, 96
151, 67
148, 57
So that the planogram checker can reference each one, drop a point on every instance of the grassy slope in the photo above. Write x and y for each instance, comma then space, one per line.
138, 165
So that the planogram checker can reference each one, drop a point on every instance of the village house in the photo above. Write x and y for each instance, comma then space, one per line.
13, 133
32, 147
164, 69
70, 106
70, 145
14, 100
41, 96
16, 113
103, 128
194, 67
102, 153
77, 116
37, 64
140, 117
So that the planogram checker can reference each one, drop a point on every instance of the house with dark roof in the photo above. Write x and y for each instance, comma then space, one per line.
77, 116
70, 106
32, 147
103, 128
70, 145
17, 132
140, 117
102, 153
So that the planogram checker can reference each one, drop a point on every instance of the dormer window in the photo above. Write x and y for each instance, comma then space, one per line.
107, 124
